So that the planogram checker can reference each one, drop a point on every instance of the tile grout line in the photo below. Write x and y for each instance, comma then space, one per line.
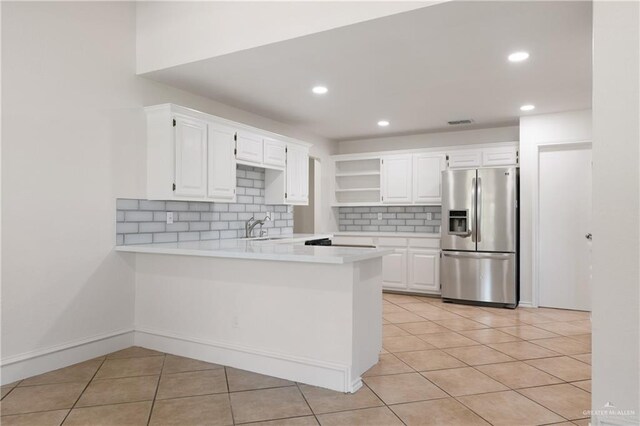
153, 402
307, 402
226, 379
83, 390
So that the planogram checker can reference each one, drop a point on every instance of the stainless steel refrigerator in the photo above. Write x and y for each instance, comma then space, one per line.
480, 236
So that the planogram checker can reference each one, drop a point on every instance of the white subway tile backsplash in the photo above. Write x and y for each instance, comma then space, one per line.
126, 228
138, 216
152, 205
199, 226
394, 219
138, 238
174, 206
165, 237
144, 221
188, 236
123, 204
177, 227
152, 227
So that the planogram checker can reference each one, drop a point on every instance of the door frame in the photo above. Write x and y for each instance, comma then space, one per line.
535, 222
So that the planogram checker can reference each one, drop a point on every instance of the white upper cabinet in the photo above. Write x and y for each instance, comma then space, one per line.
465, 159
297, 175
504, 156
191, 157
249, 148
427, 174
221, 162
396, 179
484, 157
274, 153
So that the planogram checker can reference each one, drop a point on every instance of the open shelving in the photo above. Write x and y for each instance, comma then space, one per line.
357, 182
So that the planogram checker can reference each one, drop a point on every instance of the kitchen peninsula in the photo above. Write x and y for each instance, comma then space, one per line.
277, 307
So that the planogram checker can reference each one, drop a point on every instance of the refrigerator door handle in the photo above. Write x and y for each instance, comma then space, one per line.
476, 255
479, 211
472, 213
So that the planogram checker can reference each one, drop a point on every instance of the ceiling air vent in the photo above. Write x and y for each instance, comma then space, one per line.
459, 122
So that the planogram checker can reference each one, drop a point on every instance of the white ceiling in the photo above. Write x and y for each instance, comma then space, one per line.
417, 69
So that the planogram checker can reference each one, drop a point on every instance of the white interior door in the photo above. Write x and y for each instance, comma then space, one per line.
564, 203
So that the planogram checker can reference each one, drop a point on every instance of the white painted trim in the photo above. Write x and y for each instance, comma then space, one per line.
29, 364
319, 373
535, 214
435, 149
526, 305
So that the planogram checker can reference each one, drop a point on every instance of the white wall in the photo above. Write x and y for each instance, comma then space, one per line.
173, 33
616, 196
73, 141
571, 126
429, 140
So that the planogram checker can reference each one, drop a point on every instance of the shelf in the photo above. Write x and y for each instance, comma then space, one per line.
365, 173
358, 190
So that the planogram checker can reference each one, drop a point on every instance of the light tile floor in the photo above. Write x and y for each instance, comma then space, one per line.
442, 364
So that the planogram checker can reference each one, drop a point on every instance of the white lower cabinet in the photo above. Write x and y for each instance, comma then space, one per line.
394, 269
414, 265
424, 270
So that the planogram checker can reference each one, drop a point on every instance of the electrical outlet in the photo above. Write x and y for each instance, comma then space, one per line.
429, 216
169, 218
379, 216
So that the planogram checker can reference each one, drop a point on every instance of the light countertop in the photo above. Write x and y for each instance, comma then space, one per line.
290, 249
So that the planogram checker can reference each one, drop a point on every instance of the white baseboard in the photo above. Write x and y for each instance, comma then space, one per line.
314, 372
41, 361
526, 305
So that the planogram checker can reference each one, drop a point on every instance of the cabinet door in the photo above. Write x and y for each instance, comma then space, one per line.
427, 174
249, 147
221, 183
465, 159
396, 179
507, 156
274, 153
191, 157
297, 175
394, 270
424, 270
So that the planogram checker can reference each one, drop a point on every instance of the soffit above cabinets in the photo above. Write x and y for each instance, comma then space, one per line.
418, 70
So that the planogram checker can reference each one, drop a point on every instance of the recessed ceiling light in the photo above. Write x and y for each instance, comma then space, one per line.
383, 123
518, 56
319, 90
527, 107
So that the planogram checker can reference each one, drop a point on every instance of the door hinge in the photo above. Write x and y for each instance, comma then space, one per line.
285, 195
174, 122
382, 198
234, 190
235, 151
382, 162
286, 149
174, 186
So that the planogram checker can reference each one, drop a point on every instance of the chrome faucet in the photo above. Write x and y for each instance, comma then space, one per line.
249, 225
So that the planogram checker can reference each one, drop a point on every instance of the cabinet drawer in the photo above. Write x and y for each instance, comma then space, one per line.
432, 243
392, 242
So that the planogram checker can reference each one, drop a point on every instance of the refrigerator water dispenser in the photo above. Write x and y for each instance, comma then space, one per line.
458, 222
